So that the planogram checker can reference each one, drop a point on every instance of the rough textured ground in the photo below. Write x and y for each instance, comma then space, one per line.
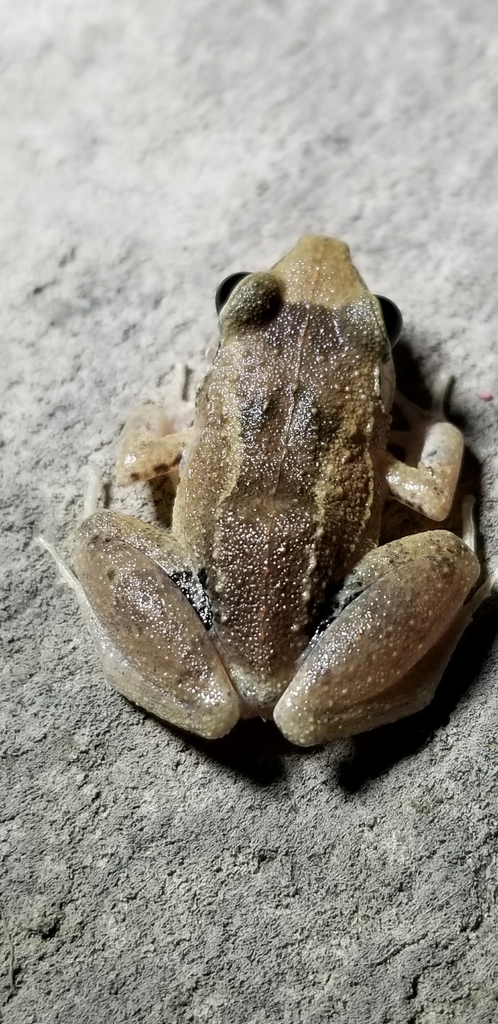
148, 149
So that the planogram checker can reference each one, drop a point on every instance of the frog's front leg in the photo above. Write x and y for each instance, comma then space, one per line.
436, 446
147, 612
383, 656
148, 448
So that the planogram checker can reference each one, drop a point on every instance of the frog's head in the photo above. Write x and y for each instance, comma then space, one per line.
317, 272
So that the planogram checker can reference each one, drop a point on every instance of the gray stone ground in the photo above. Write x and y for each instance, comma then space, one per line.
148, 149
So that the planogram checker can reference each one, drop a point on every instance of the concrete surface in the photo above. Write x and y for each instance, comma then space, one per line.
147, 150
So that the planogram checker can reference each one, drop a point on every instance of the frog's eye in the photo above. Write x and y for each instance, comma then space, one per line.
226, 288
392, 319
253, 300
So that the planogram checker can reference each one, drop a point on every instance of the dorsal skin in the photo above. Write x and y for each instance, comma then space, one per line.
279, 494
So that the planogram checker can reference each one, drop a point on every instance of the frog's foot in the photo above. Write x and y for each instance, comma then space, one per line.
434, 448
148, 615
148, 448
383, 656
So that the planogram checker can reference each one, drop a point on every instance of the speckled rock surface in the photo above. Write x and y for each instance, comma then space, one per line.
147, 150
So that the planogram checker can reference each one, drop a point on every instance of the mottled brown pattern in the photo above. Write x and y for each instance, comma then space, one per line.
278, 488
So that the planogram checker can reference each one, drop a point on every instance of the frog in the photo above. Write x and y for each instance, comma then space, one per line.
270, 595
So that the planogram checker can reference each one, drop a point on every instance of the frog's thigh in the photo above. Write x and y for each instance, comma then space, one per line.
382, 658
147, 448
154, 647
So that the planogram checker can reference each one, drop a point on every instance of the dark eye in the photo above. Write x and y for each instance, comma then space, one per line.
392, 319
226, 288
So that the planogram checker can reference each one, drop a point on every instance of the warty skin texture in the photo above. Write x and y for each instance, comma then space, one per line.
269, 595
278, 495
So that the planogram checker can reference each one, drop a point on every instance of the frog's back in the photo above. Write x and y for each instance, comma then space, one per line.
278, 495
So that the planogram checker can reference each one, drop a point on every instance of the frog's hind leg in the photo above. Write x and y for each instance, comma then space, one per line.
382, 658
147, 448
145, 608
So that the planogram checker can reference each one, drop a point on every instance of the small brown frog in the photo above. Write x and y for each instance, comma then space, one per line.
269, 595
